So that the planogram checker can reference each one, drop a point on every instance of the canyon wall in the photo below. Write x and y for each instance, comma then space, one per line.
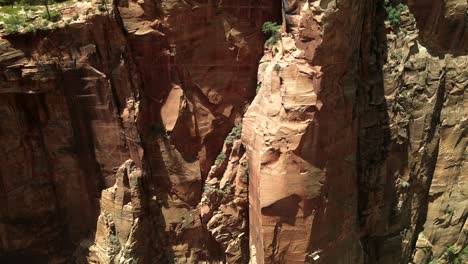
155, 132
413, 152
111, 124
357, 138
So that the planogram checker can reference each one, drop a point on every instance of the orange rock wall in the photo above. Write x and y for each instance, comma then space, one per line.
301, 137
120, 134
157, 82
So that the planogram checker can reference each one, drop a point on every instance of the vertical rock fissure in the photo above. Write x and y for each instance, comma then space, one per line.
431, 160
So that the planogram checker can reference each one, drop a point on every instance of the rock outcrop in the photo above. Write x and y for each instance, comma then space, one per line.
224, 204
301, 137
62, 135
356, 140
442, 25
123, 231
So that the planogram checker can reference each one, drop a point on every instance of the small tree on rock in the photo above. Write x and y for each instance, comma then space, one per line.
271, 29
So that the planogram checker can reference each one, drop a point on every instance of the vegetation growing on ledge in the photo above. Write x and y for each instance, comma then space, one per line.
102, 8
272, 30
228, 188
453, 257
209, 189
53, 16
28, 15
114, 244
219, 159
32, 15
394, 12
234, 134
13, 23
462, 256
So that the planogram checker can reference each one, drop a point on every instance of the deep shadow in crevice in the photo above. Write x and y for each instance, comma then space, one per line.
286, 209
441, 31
375, 183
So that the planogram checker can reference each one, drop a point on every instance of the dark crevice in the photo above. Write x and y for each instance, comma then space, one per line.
118, 17
374, 141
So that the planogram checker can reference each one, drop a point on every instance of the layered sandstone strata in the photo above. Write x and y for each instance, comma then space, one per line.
157, 82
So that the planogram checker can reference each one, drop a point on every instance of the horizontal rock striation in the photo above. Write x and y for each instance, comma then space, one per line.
157, 82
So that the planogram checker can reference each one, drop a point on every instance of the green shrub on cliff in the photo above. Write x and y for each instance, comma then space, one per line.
102, 8
52, 16
394, 12
219, 159
234, 134
454, 257
462, 256
10, 10
13, 23
31, 29
114, 244
272, 30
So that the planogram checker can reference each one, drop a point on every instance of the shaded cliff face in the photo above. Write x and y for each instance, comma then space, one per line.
356, 140
121, 134
413, 143
60, 133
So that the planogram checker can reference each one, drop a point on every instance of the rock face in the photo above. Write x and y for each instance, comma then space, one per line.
121, 134
123, 231
442, 25
157, 82
356, 140
224, 204
61, 135
301, 137
413, 183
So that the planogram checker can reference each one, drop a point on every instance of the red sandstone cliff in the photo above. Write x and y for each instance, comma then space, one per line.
357, 138
81, 100
121, 134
